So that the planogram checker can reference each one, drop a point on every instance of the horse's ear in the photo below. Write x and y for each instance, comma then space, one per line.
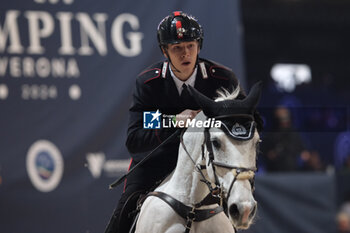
228, 107
248, 104
253, 97
205, 103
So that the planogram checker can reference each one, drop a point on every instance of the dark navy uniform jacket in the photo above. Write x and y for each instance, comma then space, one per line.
156, 90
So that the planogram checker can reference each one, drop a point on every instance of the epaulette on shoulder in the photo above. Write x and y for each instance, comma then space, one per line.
151, 73
219, 71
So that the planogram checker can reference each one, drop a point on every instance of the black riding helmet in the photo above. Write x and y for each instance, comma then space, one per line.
179, 27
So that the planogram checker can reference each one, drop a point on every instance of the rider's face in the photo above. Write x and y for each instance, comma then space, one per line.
183, 56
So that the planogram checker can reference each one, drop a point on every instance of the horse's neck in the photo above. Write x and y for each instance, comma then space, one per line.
185, 184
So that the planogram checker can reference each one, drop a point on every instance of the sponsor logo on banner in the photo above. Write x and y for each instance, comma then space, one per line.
44, 165
46, 46
97, 163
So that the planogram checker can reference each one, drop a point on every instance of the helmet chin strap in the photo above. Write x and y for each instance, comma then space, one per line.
173, 66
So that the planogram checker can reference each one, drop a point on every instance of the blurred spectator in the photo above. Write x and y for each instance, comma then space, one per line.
283, 147
343, 223
343, 218
342, 151
311, 161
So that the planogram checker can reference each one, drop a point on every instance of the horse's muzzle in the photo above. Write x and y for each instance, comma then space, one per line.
242, 214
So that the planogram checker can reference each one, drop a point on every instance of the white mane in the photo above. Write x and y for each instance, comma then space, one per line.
224, 94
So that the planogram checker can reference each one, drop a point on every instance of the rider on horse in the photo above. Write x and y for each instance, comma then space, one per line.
162, 87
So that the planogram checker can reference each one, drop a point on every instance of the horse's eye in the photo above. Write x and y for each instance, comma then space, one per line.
216, 143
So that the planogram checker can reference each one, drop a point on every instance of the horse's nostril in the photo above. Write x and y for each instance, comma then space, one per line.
252, 213
234, 212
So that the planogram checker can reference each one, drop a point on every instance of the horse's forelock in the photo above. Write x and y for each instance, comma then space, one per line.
224, 94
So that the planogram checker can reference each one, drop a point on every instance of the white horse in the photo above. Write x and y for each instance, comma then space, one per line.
215, 168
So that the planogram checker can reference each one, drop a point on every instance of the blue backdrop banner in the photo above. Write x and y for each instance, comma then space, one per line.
304, 202
67, 70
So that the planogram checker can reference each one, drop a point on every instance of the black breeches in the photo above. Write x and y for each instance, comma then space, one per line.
122, 217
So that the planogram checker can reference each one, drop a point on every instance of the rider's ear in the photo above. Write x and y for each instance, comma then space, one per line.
164, 50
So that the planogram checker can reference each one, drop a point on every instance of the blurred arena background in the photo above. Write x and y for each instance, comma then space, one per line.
67, 71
